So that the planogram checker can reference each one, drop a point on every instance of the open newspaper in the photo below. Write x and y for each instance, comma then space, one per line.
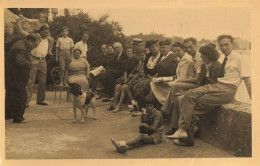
97, 71
163, 79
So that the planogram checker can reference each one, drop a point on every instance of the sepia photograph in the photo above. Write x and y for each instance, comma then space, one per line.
102, 82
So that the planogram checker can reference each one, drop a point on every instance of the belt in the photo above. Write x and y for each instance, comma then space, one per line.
40, 58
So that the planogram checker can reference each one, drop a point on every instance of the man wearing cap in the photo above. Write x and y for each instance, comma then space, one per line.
137, 45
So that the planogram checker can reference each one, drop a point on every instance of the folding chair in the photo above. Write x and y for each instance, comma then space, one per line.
55, 74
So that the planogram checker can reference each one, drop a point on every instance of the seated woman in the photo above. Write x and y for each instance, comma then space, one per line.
167, 67
130, 67
79, 70
209, 74
142, 87
150, 129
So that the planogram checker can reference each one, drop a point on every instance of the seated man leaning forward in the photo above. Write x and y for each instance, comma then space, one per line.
203, 99
209, 74
181, 85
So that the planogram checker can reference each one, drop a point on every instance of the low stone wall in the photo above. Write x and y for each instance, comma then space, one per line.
229, 127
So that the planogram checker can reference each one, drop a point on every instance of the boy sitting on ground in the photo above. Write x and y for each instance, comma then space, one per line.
150, 129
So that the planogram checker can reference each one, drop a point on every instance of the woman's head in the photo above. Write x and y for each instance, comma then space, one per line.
42, 17
209, 53
178, 49
110, 49
77, 53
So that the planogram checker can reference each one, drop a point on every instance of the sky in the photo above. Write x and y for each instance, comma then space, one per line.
185, 22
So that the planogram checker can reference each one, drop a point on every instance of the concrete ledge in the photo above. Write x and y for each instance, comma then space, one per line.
229, 127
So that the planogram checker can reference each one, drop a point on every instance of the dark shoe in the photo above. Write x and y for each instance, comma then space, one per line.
170, 132
110, 108
180, 143
190, 139
22, 120
42, 103
106, 100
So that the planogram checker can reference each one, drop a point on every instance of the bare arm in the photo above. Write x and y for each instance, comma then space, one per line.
57, 53
248, 85
27, 19
20, 29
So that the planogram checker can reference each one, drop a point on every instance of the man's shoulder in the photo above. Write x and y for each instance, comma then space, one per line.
19, 45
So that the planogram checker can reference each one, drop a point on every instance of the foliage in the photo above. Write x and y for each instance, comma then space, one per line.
100, 31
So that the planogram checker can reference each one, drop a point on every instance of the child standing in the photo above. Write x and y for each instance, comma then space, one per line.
64, 51
36, 25
150, 129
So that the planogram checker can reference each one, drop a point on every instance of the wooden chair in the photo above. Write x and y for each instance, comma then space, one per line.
55, 74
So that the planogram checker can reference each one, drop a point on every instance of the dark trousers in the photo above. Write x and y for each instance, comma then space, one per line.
93, 82
15, 103
111, 80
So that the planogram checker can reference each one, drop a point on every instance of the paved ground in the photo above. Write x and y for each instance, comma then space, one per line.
50, 134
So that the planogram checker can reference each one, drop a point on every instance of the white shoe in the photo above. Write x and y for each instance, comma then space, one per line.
178, 134
130, 106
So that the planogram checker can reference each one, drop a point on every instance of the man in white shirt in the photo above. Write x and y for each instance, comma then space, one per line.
82, 45
39, 54
203, 99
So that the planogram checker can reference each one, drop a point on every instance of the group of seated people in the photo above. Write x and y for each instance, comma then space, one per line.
178, 83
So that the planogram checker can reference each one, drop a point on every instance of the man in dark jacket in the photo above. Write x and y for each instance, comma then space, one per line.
17, 70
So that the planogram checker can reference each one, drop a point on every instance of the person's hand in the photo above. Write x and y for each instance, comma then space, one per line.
145, 125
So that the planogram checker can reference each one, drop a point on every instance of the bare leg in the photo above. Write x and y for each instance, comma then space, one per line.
122, 97
141, 138
117, 94
61, 77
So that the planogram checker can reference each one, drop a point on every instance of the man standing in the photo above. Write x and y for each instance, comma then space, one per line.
40, 70
137, 45
82, 45
17, 70
205, 98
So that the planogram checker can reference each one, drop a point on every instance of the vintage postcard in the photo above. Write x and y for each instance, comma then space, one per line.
129, 82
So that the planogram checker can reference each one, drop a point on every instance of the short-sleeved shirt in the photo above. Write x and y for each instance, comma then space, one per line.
83, 47
235, 69
154, 120
64, 43
42, 49
197, 62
